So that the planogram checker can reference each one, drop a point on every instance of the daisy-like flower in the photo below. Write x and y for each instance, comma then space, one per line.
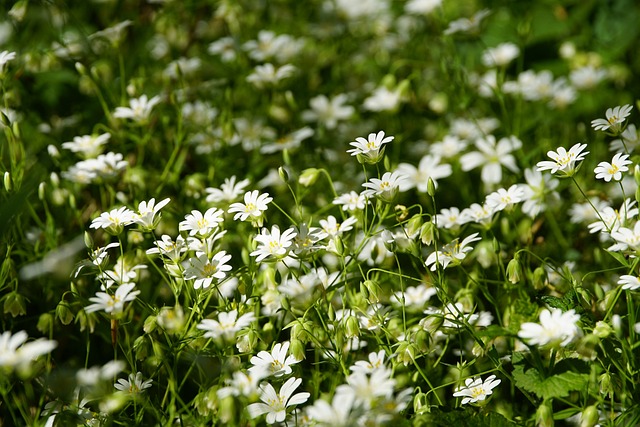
370, 150
386, 188
139, 109
134, 384
630, 283
273, 244
227, 325
476, 390
267, 75
492, 156
253, 208
418, 178
453, 252
536, 191
87, 146
201, 225
366, 389
328, 111
333, 228
415, 297
587, 77
376, 361
241, 384
502, 199
204, 270
276, 363
225, 47
228, 192
613, 170
167, 247
147, 212
383, 99
450, 146
351, 201
336, 414
615, 118
556, 328
610, 220
628, 141
448, 218
421, 7
480, 214
275, 404
467, 25
288, 142
15, 351
564, 161
114, 221
113, 304
500, 55
5, 57
626, 237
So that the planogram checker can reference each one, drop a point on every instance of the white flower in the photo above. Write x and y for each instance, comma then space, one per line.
202, 225
139, 109
16, 352
147, 212
227, 325
587, 77
418, 178
166, 246
115, 220
228, 192
272, 243
5, 57
242, 384
421, 7
615, 118
383, 99
450, 146
502, 199
333, 228
204, 270
385, 188
113, 304
629, 282
480, 214
365, 389
627, 238
492, 155
276, 363
613, 170
538, 188
556, 328
415, 296
328, 111
375, 362
253, 208
476, 390
609, 220
467, 25
563, 160
451, 252
288, 142
448, 218
351, 201
275, 404
268, 75
134, 385
370, 149
225, 47
88, 146
628, 141
500, 55
336, 414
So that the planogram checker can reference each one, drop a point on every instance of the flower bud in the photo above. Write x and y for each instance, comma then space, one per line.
284, 175
45, 323
150, 324
414, 225
352, 327
589, 417
544, 415
63, 313
8, 184
80, 68
42, 191
514, 271
606, 387
297, 349
14, 304
431, 187
539, 278
602, 329
308, 177
428, 233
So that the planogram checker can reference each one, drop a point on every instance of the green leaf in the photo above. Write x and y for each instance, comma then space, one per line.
555, 302
568, 375
468, 417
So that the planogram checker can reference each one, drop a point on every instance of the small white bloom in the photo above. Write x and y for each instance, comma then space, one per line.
114, 220
203, 270
15, 351
556, 328
630, 283
88, 146
227, 325
467, 25
475, 389
563, 161
492, 156
328, 111
228, 192
267, 75
147, 212
500, 55
276, 363
139, 109
418, 178
351, 201
613, 170
198, 224
386, 188
452, 252
275, 404
253, 208
371, 148
134, 385
272, 243
615, 118
113, 304
502, 199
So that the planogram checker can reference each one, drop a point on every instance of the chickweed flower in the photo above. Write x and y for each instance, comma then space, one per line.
630, 283
147, 212
565, 162
351, 201
133, 385
87, 146
113, 304
275, 404
273, 244
201, 225
253, 208
556, 328
15, 351
228, 192
370, 150
452, 252
276, 363
328, 111
476, 390
500, 55
418, 178
204, 270
503, 199
227, 325
386, 188
492, 156
114, 221
139, 109
615, 119
613, 170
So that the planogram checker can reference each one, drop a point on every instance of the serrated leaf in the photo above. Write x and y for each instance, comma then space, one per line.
555, 302
468, 417
565, 378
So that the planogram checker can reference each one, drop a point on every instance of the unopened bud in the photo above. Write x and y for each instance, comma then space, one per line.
428, 233
80, 68
14, 304
297, 349
544, 415
63, 313
589, 417
431, 187
539, 278
284, 175
308, 177
8, 183
45, 323
42, 190
514, 271
414, 224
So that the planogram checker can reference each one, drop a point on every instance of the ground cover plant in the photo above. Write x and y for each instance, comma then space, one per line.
330, 212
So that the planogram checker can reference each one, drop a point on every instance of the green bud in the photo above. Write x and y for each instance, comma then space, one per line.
42, 190
308, 177
539, 278
414, 225
421, 403
590, 416
544, 415
431, 187
297, 349
80, 68
88, 240
602, 329
150, 324
372, 289
606, 387
18, 10
352, 327
14, 304
422, 339
636, 174
514, 271
64, 313
45, 323
8, 183
284, 175
428, 233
